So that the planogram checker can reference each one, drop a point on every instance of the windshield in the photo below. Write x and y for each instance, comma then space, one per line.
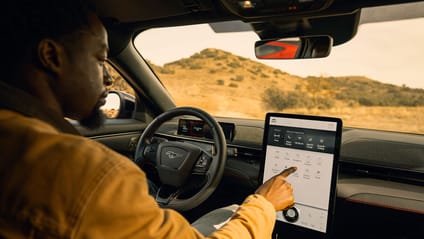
374, 81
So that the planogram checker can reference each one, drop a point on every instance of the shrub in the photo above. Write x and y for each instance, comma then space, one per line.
277, 72
195, 67
196, 56
263, 75
209, 53
252, 71
166, 70
234, 65
238, 78
324, 103
278, 100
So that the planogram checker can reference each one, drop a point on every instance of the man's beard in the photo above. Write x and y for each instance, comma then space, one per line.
95, 120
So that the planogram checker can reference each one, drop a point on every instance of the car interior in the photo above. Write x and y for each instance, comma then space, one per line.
380, 174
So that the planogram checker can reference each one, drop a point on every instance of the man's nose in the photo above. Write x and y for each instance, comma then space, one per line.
107, 78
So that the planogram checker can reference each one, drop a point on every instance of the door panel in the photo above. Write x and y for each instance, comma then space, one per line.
120, 135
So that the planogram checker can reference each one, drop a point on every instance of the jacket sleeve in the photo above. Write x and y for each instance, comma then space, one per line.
120, 207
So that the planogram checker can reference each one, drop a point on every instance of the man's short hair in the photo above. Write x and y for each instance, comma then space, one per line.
25, 22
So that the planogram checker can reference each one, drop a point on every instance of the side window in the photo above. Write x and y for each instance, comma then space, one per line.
120, 103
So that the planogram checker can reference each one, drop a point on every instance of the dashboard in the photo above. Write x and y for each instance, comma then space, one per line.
380, 184
380, 176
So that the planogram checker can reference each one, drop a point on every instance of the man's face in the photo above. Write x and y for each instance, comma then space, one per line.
84, 79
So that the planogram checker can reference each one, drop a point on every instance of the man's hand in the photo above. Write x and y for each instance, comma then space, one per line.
278, 191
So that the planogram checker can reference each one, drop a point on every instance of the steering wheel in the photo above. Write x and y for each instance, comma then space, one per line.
177, 163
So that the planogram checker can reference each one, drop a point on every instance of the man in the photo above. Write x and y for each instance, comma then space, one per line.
56, 184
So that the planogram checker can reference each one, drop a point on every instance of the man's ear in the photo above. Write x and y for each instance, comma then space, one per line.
50, 55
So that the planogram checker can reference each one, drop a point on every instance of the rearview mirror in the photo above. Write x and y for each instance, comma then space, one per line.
294, 48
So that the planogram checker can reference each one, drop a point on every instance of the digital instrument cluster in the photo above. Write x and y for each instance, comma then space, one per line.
199, 129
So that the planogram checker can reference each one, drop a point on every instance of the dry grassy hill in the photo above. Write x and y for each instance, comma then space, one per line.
246, 88
236, 81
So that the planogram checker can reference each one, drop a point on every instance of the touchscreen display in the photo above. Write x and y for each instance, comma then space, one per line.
312, 145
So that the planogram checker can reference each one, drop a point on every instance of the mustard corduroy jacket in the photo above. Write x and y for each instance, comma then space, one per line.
55, 184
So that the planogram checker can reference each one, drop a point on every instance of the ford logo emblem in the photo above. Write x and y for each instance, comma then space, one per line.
173, 155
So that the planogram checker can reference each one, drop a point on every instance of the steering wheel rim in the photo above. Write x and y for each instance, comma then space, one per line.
216, 167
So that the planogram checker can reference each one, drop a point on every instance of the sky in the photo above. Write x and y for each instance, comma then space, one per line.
389, 52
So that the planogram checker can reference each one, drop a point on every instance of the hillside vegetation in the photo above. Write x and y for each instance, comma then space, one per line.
225, 84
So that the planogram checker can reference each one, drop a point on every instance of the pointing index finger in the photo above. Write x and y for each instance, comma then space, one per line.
286, 172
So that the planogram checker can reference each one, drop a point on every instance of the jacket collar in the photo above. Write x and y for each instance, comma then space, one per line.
17, 100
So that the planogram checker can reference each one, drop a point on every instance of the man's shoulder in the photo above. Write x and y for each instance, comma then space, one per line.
45, 146
17, 123
51, 175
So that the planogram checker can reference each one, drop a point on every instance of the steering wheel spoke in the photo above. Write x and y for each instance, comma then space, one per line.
150, 151
166, 194
202, 164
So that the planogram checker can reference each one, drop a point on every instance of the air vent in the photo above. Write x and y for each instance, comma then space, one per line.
381, 172
249, 155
